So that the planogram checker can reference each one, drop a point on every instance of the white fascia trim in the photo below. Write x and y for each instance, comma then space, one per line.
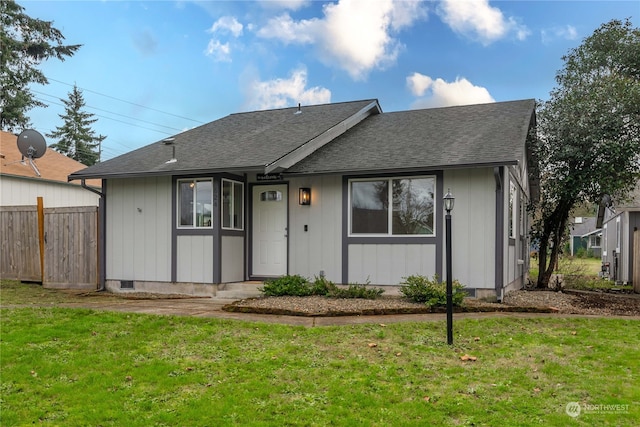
306, 149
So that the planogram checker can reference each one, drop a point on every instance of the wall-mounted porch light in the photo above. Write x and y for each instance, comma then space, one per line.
304, 196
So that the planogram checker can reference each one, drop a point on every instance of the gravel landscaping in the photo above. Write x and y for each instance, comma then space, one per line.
567, 302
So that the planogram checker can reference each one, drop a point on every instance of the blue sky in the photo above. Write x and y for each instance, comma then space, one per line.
151, 69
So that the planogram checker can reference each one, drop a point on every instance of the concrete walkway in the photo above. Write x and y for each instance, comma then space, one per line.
212, 308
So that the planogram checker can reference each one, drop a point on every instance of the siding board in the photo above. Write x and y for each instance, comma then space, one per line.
139, 224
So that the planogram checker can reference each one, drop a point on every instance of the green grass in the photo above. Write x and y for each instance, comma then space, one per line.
580, 273
77, 367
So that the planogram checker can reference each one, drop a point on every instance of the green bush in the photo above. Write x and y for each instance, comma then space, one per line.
356, 290
432, 292
322, 286
299, 286
295, 285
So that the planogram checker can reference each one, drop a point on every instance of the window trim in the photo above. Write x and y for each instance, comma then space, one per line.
178, 182
513, 208
232, 204
389, 235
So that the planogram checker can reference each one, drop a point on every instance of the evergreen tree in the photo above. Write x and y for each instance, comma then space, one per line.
24, 43
75, 137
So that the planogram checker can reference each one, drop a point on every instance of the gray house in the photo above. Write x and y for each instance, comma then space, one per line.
585, 236
341, 190
620, 222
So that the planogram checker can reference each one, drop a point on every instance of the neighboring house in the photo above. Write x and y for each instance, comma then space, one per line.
20, 184
620, 222
341, 190
585, 237
54, 242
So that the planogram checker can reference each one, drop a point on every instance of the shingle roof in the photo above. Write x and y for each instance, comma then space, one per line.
243, 141
53, 166
587, 225
438, 137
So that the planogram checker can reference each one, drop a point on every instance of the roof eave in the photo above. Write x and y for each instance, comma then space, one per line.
142, 174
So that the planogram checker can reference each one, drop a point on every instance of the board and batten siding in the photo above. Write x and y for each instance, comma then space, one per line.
195, 259
139, 229
382, 264
472, 226
319, 248
232, 254
16, 191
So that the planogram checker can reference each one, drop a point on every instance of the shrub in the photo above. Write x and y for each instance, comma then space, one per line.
295, 285
356, 290
322, 286
299, 286
432, 292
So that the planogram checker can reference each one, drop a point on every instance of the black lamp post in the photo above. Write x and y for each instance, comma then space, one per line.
448, 206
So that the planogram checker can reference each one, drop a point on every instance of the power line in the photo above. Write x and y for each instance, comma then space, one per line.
111, 118
127, 102
111, 112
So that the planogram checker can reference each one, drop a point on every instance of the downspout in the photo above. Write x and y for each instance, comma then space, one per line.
102, 232
499, 256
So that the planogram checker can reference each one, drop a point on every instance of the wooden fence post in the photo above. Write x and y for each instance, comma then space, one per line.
41, 235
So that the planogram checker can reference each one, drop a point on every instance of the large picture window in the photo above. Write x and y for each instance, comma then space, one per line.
194, 203
232, 205
394, 206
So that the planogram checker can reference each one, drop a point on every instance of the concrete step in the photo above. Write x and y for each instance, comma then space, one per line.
241, 290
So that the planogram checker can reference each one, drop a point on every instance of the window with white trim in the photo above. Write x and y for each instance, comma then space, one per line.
195, 202
400, 206
232, 205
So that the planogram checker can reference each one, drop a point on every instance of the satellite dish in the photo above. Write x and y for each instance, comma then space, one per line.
32, 146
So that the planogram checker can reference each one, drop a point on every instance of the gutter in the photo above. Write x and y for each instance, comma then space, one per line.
499, 233
84, 185
102, 232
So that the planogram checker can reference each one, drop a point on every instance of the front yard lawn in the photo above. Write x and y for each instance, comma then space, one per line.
77, 367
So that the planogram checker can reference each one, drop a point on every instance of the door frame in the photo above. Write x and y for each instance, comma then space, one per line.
250, 234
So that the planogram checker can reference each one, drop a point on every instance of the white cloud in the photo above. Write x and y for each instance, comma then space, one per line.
288, 31
354, 35
218, 51
568, 32
227, 25
285, 4
445, 94
281, 93
480, 21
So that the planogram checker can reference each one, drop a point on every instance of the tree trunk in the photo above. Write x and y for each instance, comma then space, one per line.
554, 230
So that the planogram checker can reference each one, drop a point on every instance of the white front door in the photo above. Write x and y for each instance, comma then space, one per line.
269, 230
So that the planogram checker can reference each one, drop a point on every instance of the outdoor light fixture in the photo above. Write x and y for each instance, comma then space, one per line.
304, 196
448, 201
448, 206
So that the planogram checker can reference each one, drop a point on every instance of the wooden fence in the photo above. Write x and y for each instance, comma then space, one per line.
68, 236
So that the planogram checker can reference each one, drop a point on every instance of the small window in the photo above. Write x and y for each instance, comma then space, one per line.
396, 206
232, 205
194, 203
271, 196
